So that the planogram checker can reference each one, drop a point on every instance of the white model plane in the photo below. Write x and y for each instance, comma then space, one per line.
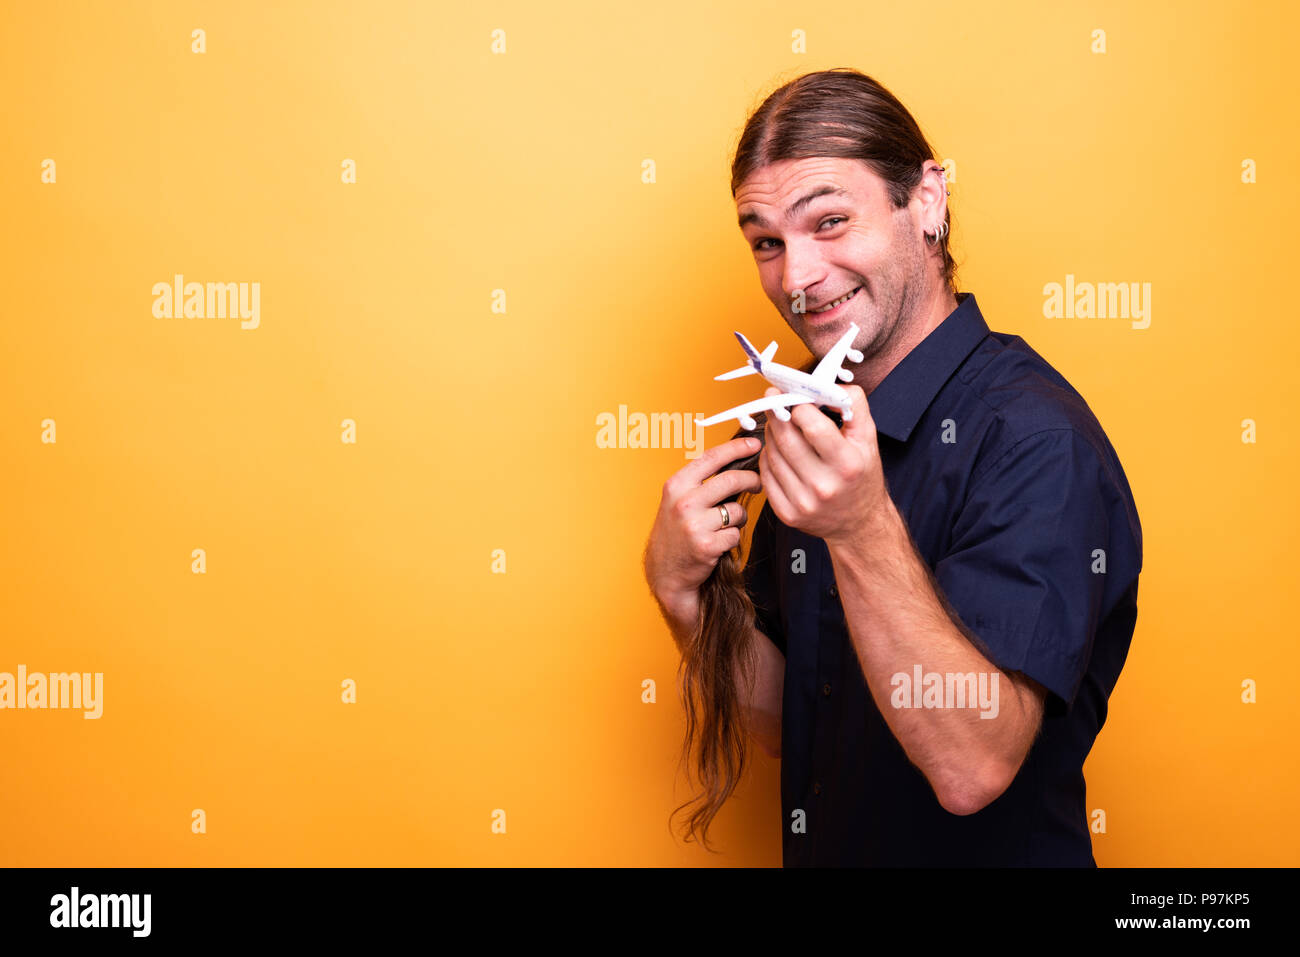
796, 386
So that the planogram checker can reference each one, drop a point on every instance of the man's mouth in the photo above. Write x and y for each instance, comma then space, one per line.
834, 304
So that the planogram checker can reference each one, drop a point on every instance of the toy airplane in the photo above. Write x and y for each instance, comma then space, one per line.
796, 387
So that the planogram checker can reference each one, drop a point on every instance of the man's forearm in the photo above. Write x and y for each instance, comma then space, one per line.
682, 618
760, 693
898, 622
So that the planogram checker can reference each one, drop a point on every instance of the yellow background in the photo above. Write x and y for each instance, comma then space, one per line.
476, 430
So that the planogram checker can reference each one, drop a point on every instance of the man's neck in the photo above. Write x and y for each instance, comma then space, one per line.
872, 371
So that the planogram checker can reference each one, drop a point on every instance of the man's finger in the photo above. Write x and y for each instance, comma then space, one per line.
772, 420
783, 473
727, 484
772, 485
696, 471
862, 424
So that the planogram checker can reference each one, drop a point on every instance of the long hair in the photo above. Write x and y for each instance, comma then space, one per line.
835, 113
718, 661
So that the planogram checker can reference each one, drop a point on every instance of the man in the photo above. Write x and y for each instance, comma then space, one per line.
946, 585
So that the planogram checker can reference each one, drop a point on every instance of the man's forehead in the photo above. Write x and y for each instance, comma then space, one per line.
790, 186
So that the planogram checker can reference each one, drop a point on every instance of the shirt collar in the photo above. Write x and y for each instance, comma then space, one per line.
902, 397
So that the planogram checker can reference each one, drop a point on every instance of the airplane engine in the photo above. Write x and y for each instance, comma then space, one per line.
748, 422
845, 375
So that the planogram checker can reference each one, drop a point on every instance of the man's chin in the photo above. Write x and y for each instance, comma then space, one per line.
827, 332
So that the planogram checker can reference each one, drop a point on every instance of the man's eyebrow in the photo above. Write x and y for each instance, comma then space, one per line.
796, 207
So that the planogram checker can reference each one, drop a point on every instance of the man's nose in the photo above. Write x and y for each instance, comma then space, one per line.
803, 270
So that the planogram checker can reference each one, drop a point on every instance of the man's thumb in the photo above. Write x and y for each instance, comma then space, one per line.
861, 424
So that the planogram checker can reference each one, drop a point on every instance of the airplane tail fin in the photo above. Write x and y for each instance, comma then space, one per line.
748, 347
755, 359
764, 356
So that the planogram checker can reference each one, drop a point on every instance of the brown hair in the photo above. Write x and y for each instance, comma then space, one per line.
836, 113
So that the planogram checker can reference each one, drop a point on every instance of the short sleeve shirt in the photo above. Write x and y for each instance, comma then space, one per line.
1017, 503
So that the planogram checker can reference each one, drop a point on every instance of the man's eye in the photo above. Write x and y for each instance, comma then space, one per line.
834, 219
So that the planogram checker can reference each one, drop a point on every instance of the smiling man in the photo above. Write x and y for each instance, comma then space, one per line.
968, 533
869, 267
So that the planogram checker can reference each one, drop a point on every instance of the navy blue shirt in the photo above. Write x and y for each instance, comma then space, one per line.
1018, 505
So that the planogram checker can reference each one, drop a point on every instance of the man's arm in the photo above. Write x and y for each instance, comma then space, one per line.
761, 696
1019, 567
898, 619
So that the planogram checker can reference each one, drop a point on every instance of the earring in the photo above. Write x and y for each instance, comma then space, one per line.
939, 232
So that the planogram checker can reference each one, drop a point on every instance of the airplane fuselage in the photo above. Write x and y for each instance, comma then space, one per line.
792, 380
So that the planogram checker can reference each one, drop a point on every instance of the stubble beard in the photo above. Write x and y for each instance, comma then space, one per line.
898, 309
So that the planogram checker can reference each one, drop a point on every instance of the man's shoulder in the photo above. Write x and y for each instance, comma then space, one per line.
1025, 397
1035, 421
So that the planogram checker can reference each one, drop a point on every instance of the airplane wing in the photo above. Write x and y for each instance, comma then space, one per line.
746, 411
737, 373
828, 370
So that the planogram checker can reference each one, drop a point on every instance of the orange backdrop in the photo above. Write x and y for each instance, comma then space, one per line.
540, 231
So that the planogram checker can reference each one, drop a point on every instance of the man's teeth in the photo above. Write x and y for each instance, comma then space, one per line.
831, 305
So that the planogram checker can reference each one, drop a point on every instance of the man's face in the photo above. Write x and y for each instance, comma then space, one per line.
845, 240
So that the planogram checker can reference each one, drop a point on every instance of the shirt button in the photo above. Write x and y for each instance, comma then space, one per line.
817, 787
834, 592
826, 689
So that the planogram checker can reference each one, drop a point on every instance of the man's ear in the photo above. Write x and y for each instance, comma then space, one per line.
932, 192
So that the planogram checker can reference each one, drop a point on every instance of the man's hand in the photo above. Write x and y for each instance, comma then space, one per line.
688, 536
822, 480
